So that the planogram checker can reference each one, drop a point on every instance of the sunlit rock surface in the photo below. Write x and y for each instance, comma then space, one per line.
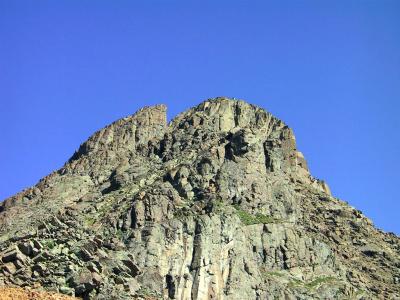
217, 204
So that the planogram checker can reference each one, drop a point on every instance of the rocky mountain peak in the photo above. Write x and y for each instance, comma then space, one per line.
224, 114
147, 123
217, 204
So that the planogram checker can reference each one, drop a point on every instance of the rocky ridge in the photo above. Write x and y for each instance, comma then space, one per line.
217, 204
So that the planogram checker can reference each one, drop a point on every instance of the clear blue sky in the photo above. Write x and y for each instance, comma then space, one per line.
329, 69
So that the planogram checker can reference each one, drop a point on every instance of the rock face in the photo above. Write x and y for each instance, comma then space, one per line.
217, 204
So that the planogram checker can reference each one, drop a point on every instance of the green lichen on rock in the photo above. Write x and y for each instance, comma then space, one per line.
313, 284
90, 221
249, 219
49, 243
319, 281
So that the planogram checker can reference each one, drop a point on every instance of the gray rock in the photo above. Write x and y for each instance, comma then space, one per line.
26, 248
12, 255
217, 204
67, 290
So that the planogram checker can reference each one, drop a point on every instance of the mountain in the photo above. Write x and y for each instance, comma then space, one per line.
216, 204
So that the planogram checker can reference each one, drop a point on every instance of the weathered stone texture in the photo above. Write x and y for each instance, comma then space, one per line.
217, 204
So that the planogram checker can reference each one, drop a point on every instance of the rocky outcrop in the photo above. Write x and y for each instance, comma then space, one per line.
14, 293
217, 204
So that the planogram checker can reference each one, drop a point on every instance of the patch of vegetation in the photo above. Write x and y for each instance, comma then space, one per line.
360, 293
249, 219
320, 280
102, 211
50, 244
183, 213
218, 205
122, 235
312, 284
90, 221
147, 293
274, 274
295, 282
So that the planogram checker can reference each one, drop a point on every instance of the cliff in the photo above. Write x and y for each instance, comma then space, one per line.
217, 204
